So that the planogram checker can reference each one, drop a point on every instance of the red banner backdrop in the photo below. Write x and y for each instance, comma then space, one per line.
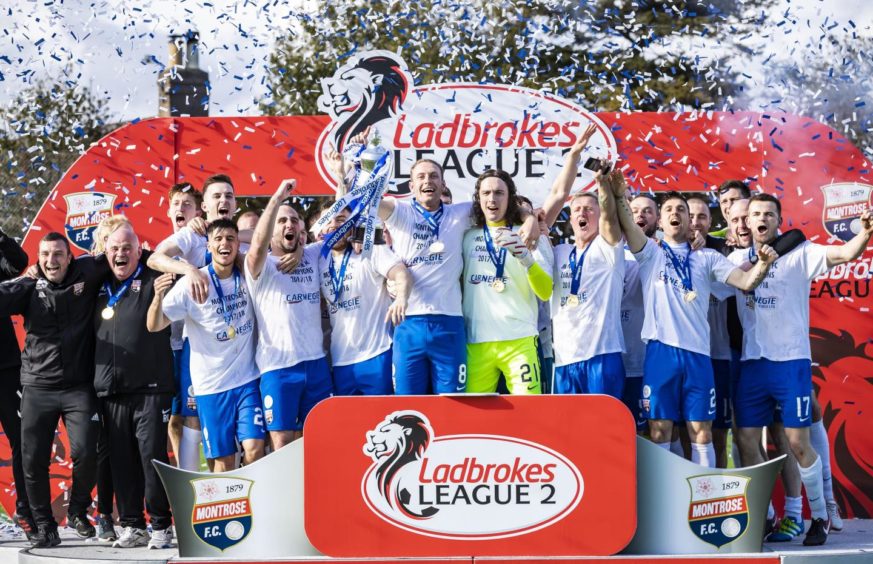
796, 158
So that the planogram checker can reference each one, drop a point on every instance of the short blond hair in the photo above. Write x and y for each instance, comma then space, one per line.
106, 227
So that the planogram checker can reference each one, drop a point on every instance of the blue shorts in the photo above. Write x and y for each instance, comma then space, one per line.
633, 399
184, 402
430, 355
601, 374
678, 385
290, 393
230, 416
371, 377
765, 384
721, 370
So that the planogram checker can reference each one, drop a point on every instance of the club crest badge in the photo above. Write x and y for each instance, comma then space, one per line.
718, 512
844, 202
222, 513
85, 210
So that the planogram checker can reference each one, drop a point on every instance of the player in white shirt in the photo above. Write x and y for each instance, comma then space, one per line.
427, 234
588, 283
776, 361
362, 312
290, 355
502, 281
645, 212
678, 381
217, 201
222, 332
184, 427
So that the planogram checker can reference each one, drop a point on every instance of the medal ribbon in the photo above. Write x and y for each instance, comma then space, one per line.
682, 265
576, 269
499, 259
113, 298
216, 282
337, 278
432, 219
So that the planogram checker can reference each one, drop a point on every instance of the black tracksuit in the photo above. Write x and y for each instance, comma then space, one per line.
13, 260
57, 375
134, 381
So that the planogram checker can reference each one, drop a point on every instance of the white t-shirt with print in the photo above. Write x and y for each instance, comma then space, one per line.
218, 363
632, 315
288, 309
669, 318
775, 316
359, 331
436, 287
593, 327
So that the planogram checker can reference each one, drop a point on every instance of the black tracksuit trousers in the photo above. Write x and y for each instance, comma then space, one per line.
10, 405
40, 410
136, 425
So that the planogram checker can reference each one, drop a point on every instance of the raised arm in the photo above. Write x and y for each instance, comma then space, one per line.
609, 227
839, 254
636, 239
260, 247
564, 182
750, 279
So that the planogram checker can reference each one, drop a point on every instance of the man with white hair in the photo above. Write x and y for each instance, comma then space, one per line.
134, 382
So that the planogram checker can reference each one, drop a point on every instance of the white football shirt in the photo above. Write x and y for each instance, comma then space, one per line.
669, 318
593, 327
288, 309
436, 276
358, 328
218, 363
775, 316
632, 315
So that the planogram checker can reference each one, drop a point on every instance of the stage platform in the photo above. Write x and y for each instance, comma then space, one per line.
854, 545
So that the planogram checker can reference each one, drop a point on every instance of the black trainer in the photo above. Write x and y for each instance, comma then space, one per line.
83, 527
26, 524
818, 532
46, 537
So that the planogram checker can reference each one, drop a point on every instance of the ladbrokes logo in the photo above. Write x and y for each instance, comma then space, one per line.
467, 128
471, 487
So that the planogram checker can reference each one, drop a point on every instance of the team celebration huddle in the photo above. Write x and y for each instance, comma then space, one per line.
232, 330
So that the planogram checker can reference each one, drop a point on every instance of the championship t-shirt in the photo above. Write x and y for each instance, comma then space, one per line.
288, 309
671, 319
357, 317
436, 287
492, 316
593, 326
632, 315
775, 315
219, 362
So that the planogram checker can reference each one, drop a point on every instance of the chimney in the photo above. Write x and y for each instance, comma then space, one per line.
183, 88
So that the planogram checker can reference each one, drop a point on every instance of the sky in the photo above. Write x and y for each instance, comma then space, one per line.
118, 48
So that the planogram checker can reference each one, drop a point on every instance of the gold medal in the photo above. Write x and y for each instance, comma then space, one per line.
572, 300
437, 247
231, 332
690, 296
107, 313
498, 285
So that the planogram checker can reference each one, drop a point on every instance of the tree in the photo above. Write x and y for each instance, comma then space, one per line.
42, 132
609, 55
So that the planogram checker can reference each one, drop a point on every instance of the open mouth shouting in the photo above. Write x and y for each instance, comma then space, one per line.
224, 210
179, 219
121, 262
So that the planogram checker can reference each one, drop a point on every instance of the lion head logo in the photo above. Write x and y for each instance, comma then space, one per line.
399, 440
368, 89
